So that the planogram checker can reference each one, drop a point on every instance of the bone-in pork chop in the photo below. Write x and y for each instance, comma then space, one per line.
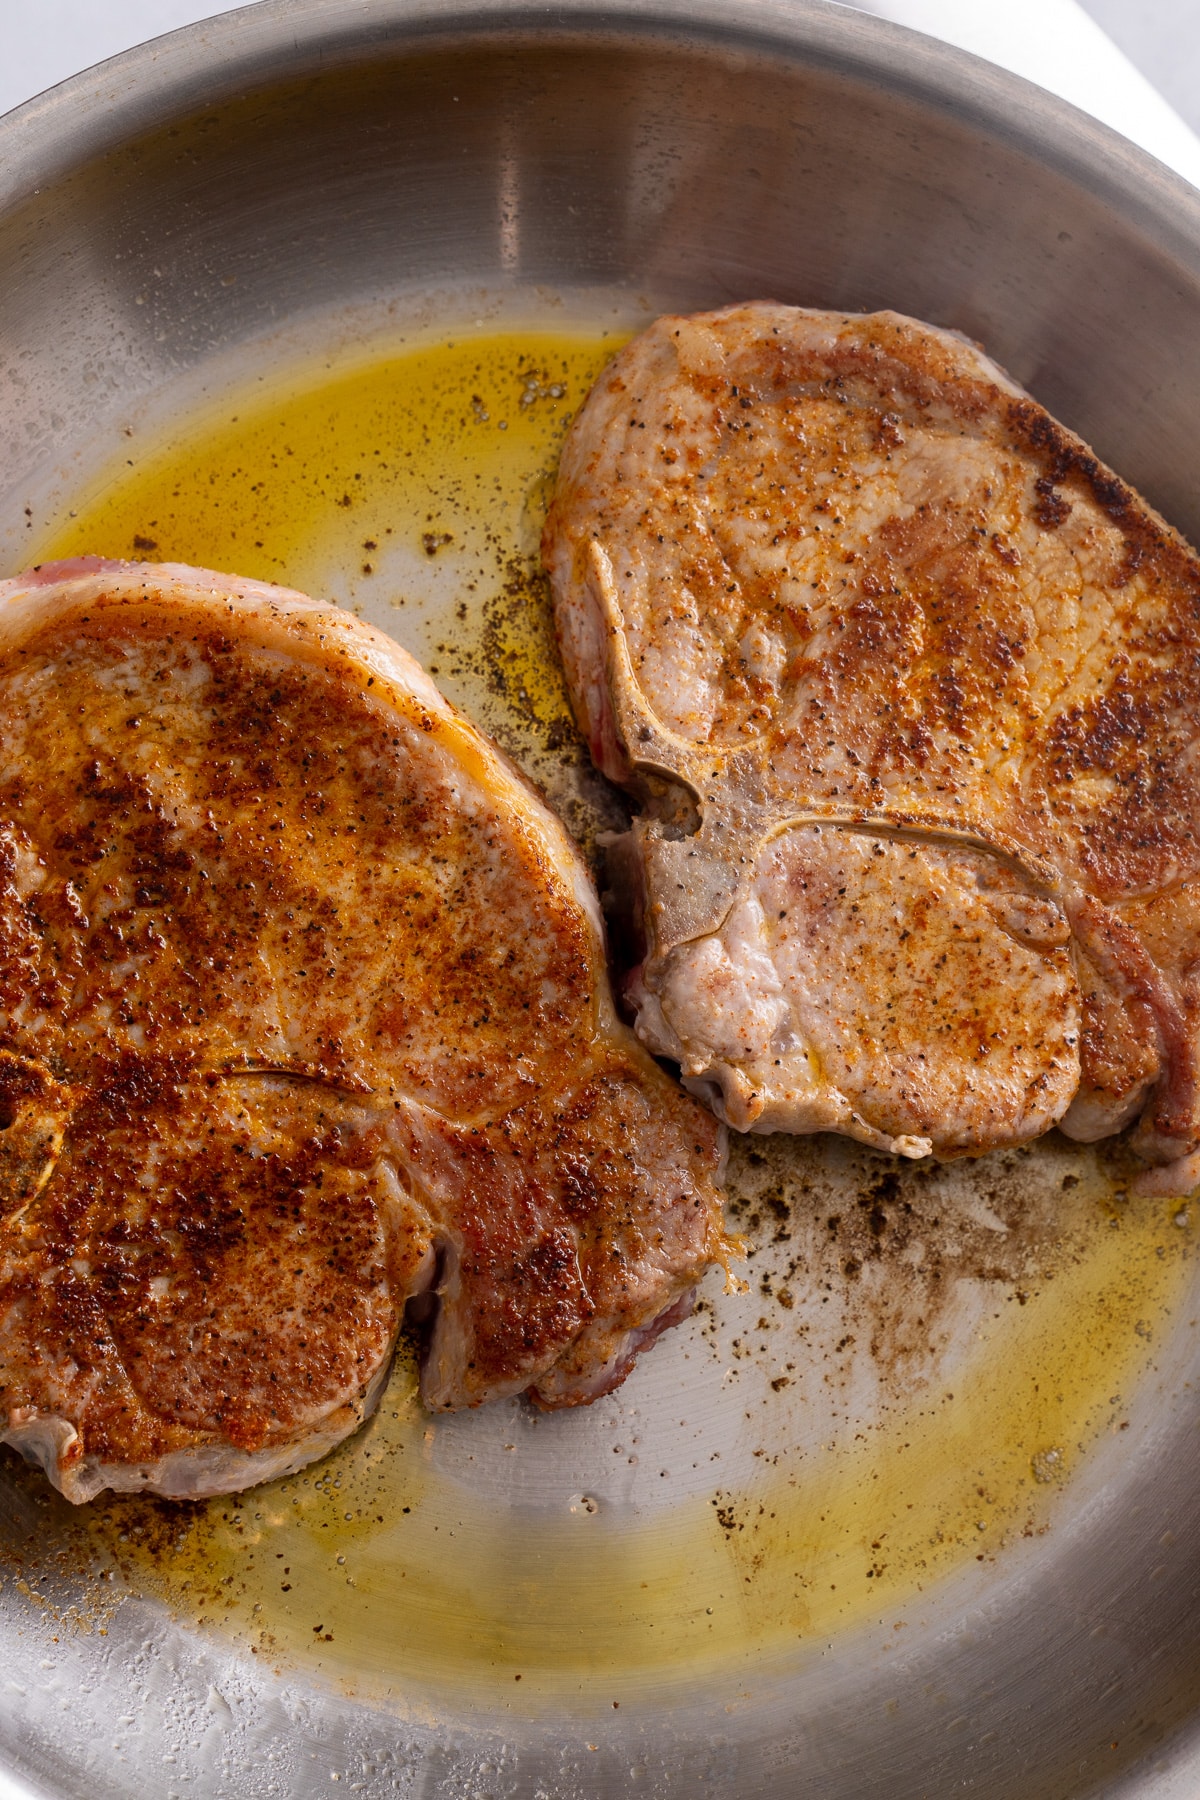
303, 1012
907, 685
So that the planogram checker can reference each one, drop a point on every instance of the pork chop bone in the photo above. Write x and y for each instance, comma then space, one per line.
826, 585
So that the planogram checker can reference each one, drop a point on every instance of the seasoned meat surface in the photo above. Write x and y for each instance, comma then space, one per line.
303, 1012
908, 687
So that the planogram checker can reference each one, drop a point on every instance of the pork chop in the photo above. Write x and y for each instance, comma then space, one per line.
907, 686
303, 1013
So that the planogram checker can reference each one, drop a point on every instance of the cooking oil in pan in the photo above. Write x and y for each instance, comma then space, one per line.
410, 489
922, 1360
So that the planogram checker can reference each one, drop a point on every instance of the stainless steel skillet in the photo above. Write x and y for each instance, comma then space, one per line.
298, 169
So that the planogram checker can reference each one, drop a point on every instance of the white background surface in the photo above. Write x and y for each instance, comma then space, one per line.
1163, 39
1054, 42
44, 41
1058, 43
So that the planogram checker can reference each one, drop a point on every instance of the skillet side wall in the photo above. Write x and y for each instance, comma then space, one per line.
665, 169
804, 157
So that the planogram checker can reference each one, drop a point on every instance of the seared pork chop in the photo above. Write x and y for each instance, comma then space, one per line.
907, 685
303, 1012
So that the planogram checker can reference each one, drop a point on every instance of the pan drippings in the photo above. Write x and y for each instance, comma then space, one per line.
927, 1362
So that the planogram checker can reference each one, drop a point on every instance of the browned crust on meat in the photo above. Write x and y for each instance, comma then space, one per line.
300, 990
839, 567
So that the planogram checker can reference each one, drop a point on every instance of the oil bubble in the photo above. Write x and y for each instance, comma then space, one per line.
1047, 1465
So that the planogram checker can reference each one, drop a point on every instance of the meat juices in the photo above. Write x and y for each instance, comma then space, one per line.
907, 687
304, 1013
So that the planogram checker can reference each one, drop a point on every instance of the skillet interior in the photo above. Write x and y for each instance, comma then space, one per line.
285, 177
